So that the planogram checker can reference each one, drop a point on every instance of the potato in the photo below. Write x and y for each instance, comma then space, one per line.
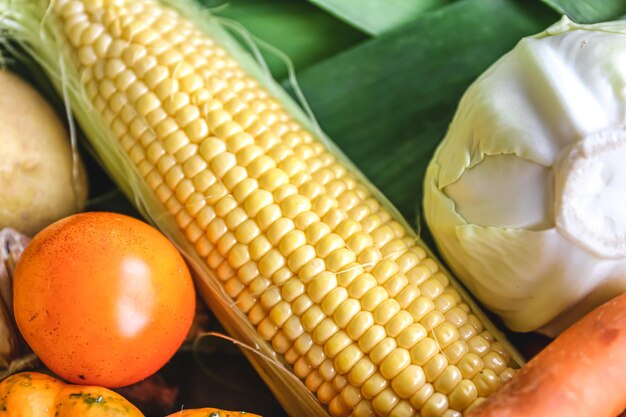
40, 180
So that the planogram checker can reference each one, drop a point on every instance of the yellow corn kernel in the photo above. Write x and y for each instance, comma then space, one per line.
435, 406
463, 395
385, 401
486, 381
448, 379
373, 386
408, 381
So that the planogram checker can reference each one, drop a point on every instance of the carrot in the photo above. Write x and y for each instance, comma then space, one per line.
582, 373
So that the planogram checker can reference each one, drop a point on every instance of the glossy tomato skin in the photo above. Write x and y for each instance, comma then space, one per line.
103, 299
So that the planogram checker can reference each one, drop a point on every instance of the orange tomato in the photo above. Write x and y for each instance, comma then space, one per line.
103, 299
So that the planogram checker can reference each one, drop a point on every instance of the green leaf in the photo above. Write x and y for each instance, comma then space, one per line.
302, 31
375, 16
589, 11
387, 103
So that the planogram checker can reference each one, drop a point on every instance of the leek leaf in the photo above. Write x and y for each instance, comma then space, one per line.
374, 16
589, 11
302, 31
387, 102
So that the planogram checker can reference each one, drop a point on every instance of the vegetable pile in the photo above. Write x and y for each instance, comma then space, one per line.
338, 303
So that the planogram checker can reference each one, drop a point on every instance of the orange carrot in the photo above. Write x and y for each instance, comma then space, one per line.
582, 373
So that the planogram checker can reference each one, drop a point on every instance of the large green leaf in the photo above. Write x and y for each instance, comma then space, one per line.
589, 11
302, 31
387, 102
375, 16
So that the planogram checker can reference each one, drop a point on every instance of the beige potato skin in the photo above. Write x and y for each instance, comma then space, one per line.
37, 183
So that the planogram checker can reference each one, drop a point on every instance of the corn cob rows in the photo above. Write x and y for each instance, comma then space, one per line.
323, 272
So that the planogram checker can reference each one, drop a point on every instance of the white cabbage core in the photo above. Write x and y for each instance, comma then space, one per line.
590, 191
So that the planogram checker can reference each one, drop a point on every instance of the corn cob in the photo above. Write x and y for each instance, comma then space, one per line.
294, 250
